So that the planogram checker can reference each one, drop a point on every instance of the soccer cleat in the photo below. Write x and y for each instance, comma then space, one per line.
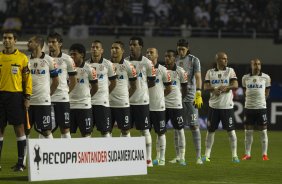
205, 159
182, 162
265, 157
175, 160
199, 161
159, 162
149, 163
246, 157
235, 160
18, 167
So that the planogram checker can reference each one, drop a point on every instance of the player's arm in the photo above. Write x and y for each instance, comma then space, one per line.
151, 74
232, 85
267, 86
94, 87
54, 85
72, 81
184, 89
27, 84
133, 87
167, 88
113, 83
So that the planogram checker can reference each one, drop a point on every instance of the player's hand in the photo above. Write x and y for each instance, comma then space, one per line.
198, 101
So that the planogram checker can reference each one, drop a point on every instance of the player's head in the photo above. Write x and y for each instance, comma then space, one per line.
170, 58
135, 45
256, 66
152, 54
221, 60
35, 43
55, 42
9, 38
77, 52
182, 48
97, 48
117, 51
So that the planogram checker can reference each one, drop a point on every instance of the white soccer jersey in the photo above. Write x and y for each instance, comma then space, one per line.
255, 90
40, 70
218, 78
80, 97
144, 68
125, 71
191, 65
105, 71
156, 93
66, 67
178, 77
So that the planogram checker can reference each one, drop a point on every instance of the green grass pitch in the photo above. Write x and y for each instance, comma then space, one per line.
219, 171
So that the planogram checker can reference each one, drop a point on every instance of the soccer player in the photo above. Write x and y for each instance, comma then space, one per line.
256, 88
15, 91
193, 99
67, 81
139, 101
80, 96
157, 104
106, 83
43, 68
119, 97
220, 81
173, 101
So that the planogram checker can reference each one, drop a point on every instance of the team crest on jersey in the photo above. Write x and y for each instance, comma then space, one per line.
42, 63
101, 67
254, 80
35, 65
219, 75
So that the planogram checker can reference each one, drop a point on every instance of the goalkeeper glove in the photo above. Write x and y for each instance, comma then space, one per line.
198, 101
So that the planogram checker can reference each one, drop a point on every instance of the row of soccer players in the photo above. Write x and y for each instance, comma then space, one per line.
133, 92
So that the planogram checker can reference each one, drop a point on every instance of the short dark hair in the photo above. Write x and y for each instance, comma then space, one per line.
182, 43
139, 39
40, 40
78, 47
11, 31
56, 36
120, 43
172, 51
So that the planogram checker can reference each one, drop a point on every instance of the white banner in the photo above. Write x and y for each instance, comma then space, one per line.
54, 159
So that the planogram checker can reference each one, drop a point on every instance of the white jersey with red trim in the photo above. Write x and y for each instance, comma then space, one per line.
125, 71
80, 97
255, 86
156, 93
105, 71
66, 67
218, 78
174, 98
145, 69
40, 69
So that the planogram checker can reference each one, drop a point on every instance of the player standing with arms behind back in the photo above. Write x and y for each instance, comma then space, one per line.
256, 87
157, 104
15, 91
220, 81
139, 101
193, 99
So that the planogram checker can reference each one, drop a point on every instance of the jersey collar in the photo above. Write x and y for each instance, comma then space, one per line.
174, 67
254, 75
138, 59
100, 61
41, 57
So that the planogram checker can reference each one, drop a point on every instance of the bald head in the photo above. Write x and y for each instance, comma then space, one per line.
152, 54
221, 60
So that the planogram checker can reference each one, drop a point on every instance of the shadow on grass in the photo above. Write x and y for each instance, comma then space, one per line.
14, 178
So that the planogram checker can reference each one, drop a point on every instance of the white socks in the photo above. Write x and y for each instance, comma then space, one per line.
248, 141
66, 136
176, 143
181, 143
161, 147
233, 143
209, 143
148, 140
50, 136
264, 141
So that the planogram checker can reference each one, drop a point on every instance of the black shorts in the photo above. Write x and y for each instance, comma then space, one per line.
176, 117
62, 114
226, 116
122, 117
11, 108
190, 114
157, 119
81, 118
255, 117
102, 118
140, 116
40, 117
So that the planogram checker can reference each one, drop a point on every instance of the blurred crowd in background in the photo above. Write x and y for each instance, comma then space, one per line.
240, 15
